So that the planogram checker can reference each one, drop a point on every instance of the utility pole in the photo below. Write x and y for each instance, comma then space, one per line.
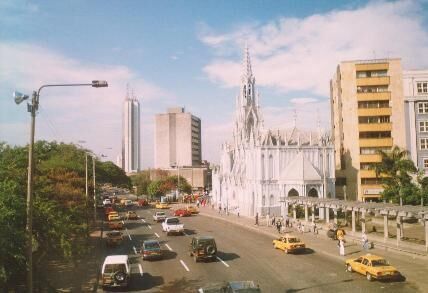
95, 194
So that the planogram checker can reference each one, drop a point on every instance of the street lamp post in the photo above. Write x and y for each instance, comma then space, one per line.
32, 108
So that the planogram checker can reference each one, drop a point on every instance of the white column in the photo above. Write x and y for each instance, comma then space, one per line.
385, 227
335, 215
313, 214
412, 131
398, 221
306, 213
294, 212
363, 221
327, 215
353, 221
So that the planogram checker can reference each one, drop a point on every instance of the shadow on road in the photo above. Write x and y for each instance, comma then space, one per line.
134, 224
181, 285
318, 286
227, 255
145, 282
190, 231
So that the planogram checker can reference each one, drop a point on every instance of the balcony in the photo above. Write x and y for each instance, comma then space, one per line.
381, 96
371, 81
376, 142
375, 127
375, 111
367, 174
370, 158
372, 66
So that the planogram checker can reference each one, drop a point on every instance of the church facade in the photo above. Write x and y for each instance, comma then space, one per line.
259, 167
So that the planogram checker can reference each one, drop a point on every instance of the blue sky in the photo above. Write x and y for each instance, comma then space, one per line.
188, 53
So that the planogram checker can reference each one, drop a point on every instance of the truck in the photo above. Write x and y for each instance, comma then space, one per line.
159, 216
172, 226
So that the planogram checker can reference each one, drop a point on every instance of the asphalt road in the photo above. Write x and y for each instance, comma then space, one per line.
243, 255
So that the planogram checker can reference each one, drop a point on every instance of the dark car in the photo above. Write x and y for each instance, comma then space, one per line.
151, 250
232, 287
203, 247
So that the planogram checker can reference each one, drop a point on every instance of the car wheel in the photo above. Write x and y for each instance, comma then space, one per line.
369, 277
349, 268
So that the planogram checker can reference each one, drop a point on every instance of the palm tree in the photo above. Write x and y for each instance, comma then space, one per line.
395, 171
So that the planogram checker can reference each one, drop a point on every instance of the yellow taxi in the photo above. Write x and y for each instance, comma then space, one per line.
289, 243
373, 267
113, 216
162, 205
192, 209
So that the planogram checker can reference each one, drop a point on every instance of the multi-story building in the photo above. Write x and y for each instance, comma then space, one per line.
415, 83
131, 135
177, 139
367, 108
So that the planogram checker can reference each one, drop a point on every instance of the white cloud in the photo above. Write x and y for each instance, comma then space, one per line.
292, 54
72, 114
302, 101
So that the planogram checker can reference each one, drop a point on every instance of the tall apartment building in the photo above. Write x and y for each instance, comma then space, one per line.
367, 108
131, 149
415, 83
177, 139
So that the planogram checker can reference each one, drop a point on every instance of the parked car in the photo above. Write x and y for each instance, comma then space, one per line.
162, 205
192, 209
106, 201
203, 247
289, 244
143, 203
151, 250
232, 287
159, 216
131, 215
172, 226
116, 271
114, 238
182, 213
373, 267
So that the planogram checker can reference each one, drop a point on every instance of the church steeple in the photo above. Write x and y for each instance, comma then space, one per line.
246, 64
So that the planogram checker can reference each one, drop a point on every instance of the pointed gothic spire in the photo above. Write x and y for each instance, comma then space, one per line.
246, 63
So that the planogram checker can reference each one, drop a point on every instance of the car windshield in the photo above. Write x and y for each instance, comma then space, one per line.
173, 221
114, 233
113, 268
380, 263
161, 214
151, 246
293, 240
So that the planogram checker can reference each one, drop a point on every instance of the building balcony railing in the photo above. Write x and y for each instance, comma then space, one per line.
373, 81
367, 174
374, 111
375, 127
369, 65
380, 96
376, 142
370, 158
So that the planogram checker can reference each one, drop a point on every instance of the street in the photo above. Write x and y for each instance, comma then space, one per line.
242, 255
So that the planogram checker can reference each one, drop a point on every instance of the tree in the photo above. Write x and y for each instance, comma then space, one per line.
396, 171
141, 181
154, 189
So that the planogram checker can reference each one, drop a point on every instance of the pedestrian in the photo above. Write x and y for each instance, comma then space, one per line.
303, 228
267, 220
224, 209
273, 220
299, 226
287, 222
365, 241
219, 209
257, 219
342, 247
315, 228
278, 225
237, 211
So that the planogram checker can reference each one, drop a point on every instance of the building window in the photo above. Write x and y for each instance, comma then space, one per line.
372, 89
373, 104
270, 167
422, 87
423, 126
373, 150
423, 107
373, 119
424, 143
366, 166
262, 163
375, 134
426, 163
370, 181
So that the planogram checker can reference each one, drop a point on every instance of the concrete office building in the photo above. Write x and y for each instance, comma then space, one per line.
367, 108
415, 84
131, 150
177, 139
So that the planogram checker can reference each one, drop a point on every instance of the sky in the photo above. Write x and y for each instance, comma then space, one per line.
188, 53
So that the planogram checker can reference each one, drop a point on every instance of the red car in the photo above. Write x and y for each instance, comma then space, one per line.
142, 203
182, 213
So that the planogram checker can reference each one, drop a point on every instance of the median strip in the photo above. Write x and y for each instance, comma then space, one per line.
157, 235
222, 261
123, 222
128, 234
141, 269
150, 227
184, 265
135, 250
170, 249
143, 220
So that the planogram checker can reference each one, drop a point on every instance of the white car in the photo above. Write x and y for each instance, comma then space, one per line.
116, 271
159, 216
172, 225
106, 201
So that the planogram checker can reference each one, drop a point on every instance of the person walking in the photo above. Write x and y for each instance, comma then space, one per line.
219, 209
278, 225
273, 220
237, 211
365, 241
287, 222
342, 247
257, 219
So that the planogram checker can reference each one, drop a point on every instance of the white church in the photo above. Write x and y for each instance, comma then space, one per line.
260, 167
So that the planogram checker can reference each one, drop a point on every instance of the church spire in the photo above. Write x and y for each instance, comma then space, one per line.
246, 63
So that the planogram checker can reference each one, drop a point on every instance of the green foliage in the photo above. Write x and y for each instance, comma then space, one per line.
397, 173
141, 181
154, 189
60, 213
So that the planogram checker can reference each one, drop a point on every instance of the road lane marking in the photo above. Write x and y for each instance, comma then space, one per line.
222, 261
184, 265
143, 220
157, 235
200, 290
128, 234
170, 249
150, 227
135, 250
141, 269
123, 222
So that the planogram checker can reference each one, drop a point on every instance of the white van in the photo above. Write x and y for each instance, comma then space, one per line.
116, 271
